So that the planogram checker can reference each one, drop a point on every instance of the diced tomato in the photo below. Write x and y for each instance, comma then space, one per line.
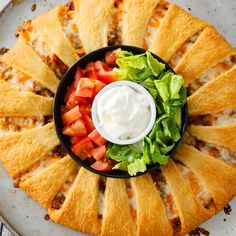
69, 131
79, 128
97, 138
103, 73
99, 153
88, 123
84, 88
106, 76
101, 166
82, 148
110, 58
75, 139
71, 115
70, 98
91, 74
98, 85
83, 101
89, 66
68, 93
101, 65
89, 71
86, 109
78, 75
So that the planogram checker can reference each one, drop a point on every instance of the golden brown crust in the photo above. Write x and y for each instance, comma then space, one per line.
186, 203
223, 135
217, 176
209, 49
49, 26
151, 212
220, 95
13, 103
177, 26
44, 186
94, 19
21, 149
80, 211
24, 59
116, 202
135, 17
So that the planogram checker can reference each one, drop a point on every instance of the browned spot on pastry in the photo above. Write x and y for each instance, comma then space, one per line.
199, 231
114, 35
176, 224
33, 7
16, 184
58, 201
24, 27
47, 217
3, 51
56, 61
102, 184
227, 209
70, 6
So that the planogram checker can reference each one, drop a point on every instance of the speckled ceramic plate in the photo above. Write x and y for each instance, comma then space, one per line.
24, 214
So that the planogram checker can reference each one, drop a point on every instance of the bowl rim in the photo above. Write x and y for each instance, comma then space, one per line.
142, 91
57, 117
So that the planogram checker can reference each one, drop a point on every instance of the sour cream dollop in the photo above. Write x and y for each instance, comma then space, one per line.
123, 112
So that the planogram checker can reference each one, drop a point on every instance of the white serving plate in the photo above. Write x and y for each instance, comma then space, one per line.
24, 214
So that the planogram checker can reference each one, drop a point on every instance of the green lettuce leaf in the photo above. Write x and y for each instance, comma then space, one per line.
123, 165
156, 66
137, 68
150, 86
171, 128
120, 153
137, 166
170, 96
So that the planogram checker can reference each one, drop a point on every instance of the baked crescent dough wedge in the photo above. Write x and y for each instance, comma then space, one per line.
135, 19
178, 26
117, 199
79, 210
224, 135
44, 186
24, 59
184, 199
219, 178
148, 198
21, 149
49, 25
209, 49
94, 19
220, 95
14, 103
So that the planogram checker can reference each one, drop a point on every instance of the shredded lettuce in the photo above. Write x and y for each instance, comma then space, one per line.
170, 96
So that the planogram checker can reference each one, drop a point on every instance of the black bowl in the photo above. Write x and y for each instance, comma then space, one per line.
68, 79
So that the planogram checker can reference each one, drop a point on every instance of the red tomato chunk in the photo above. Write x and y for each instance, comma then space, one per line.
101, 166
86, 142
71, 115
78, 75
103, 73
84, 88
110, 59
82, 148
99, 153
97, 138
88, 123
79, 128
